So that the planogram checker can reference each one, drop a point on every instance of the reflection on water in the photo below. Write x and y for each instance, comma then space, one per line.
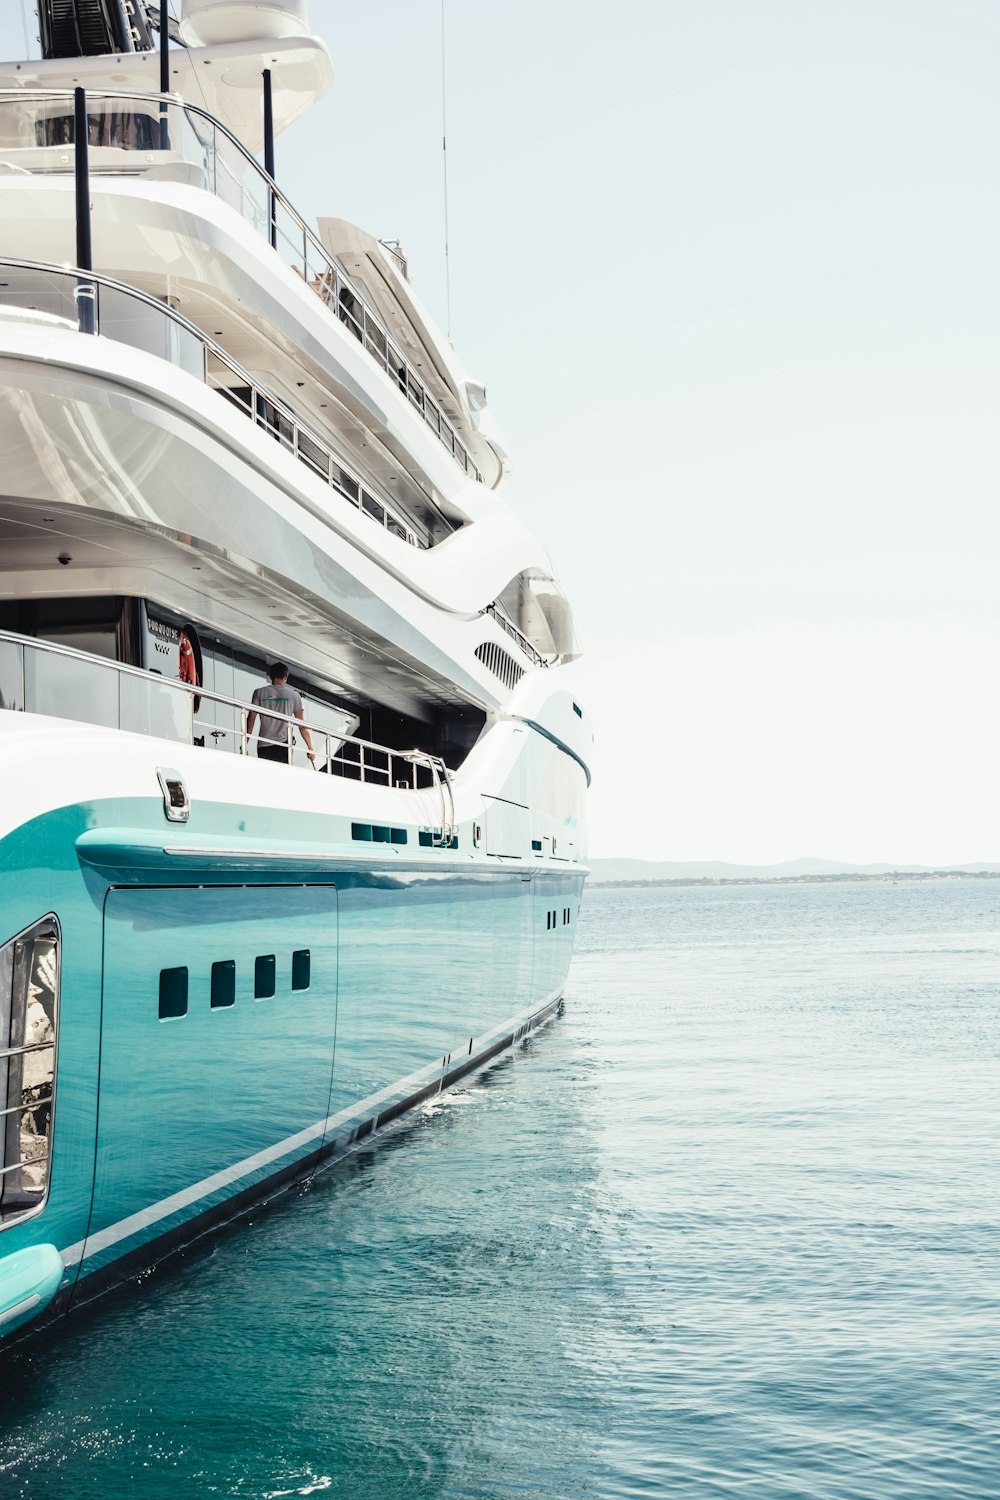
723, 1228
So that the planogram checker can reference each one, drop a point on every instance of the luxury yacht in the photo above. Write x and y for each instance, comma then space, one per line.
293, 761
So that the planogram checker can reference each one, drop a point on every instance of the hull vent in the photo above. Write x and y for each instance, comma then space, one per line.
500, 663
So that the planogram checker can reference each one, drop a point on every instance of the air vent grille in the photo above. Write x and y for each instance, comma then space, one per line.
500, 663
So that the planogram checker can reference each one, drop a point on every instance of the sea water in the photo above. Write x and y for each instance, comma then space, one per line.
726, 1227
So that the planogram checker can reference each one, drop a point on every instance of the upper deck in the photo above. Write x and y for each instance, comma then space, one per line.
201, 261
161, 144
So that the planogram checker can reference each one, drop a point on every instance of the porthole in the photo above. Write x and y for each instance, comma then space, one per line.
223, 984
173, 993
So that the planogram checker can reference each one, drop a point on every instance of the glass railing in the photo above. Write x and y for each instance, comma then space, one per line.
134, 318
132, 134
42, 677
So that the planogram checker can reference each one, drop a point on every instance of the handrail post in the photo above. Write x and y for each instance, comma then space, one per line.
86, 292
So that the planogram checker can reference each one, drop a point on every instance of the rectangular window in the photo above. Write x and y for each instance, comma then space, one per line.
173, 993
371, 507
300, 969
347, 486
263, 977
313, 455
223, 983
29, 994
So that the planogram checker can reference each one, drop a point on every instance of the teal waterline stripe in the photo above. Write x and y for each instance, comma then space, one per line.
114, 1233
133, 848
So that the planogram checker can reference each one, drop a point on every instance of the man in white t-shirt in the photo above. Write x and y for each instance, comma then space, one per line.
275, 738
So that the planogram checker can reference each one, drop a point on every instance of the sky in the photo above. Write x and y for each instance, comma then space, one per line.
728, 272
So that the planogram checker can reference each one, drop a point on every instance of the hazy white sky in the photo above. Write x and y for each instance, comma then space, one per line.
729, 273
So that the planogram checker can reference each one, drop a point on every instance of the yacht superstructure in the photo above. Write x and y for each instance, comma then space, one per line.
231, 440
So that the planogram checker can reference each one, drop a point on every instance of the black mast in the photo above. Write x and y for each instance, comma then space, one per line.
269, 155
86, 292
164, 78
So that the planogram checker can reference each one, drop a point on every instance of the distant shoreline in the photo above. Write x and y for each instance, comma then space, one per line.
889, 876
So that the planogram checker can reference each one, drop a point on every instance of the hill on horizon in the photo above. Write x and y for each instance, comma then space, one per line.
646, 869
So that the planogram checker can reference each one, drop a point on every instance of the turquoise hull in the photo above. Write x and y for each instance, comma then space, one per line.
231, 1016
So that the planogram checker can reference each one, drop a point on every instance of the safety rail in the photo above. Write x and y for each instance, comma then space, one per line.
529, 650
60, 682
448, 826
129, 316
35, 137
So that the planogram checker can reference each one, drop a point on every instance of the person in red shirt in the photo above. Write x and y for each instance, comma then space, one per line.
187, 671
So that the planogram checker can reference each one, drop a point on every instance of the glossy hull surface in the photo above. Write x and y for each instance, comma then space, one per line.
228, 1024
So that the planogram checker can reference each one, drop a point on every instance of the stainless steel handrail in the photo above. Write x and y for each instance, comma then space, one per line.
442, 836
400, 771
338, 474
331, 282
521, 640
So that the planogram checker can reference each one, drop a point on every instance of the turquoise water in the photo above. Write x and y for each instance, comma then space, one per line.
725, 1228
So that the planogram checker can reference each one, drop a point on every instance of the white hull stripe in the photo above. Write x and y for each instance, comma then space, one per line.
93, 1244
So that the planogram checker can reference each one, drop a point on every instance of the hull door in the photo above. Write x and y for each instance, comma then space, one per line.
217, 1043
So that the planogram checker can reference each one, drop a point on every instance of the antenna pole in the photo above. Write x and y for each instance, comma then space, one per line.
444, 161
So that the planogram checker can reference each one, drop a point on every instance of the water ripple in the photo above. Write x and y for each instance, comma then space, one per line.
724, 1229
